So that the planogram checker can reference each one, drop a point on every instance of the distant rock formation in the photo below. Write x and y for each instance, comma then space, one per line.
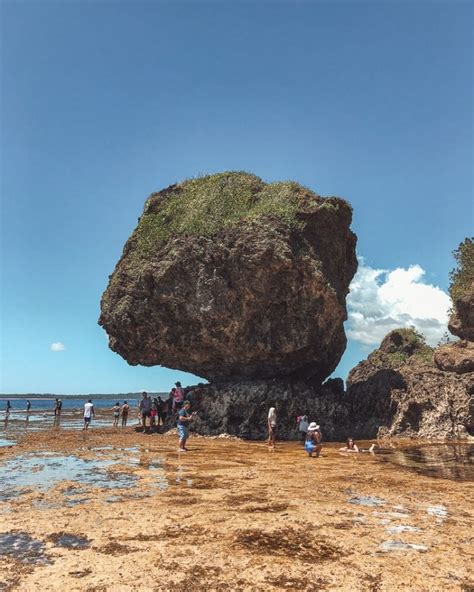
233, 279
398, 391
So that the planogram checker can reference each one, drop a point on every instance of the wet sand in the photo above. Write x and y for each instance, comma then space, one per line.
227, 515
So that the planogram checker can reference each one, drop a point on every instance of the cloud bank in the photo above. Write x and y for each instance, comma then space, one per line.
381, 300
57, 346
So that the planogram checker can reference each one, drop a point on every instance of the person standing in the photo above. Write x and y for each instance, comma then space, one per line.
170, 403
154, 413
184, 417
8, 407
145, 409
28, 406
116, 410
125, 409
178, 396
272, 426
303, 424
89, 413
160, 407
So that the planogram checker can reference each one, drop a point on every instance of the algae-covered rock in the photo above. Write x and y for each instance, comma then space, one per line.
231, 278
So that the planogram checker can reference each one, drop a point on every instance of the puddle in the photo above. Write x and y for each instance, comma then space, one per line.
437, 511
22, 547
112, 499
399, 546
399, 528
70, 541
445, 461
45, 471
366, 500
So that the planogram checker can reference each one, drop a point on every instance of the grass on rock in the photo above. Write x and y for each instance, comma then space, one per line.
205, 205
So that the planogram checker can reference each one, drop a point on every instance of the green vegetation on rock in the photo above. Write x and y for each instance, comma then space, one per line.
204, 206
462, 276
402, 346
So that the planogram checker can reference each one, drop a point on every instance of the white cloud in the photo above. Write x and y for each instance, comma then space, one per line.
381, 300
57, 346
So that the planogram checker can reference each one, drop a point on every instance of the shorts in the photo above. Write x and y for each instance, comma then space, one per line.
182, 431
309, 447
178, 404
162, 415
87, 419
153, 413
146, 414
116, 415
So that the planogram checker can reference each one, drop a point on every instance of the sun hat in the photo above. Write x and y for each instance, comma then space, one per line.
313, 426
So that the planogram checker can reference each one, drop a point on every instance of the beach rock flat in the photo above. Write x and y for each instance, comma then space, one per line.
233, 279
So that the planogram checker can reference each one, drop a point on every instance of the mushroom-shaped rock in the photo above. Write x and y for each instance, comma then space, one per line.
231, 278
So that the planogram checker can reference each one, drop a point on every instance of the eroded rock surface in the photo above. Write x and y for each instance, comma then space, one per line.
461, 322
241, 408
455, 357
233, 279
398, 391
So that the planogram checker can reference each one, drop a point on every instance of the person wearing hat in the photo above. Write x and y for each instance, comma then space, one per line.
313, 439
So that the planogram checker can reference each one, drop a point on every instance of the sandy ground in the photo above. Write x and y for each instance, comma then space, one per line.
232, 515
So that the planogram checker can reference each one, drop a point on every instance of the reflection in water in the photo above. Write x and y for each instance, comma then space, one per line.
447, 461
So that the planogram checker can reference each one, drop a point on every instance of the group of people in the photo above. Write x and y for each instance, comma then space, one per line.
310, 435
158, 411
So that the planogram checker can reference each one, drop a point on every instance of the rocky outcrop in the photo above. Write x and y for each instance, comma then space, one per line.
241, 408
461, 322
455, 357
398, 391
233, 279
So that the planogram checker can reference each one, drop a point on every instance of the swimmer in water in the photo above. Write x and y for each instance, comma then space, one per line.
351, 446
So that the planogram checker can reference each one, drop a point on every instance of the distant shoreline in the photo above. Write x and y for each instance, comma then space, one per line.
40, 397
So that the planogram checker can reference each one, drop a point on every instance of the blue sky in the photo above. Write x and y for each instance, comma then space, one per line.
105, 102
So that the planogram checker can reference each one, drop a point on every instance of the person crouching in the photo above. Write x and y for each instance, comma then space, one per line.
313, 440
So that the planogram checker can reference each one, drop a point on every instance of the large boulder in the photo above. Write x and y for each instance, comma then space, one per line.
230, 278
461, 322
398, 391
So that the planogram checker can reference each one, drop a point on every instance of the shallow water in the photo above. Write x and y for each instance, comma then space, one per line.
366, 500
44, 471
23, 548
445, 461
387, 546
72, 541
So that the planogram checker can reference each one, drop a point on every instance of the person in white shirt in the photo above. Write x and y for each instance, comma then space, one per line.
303, 423
272, 426
88, 413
